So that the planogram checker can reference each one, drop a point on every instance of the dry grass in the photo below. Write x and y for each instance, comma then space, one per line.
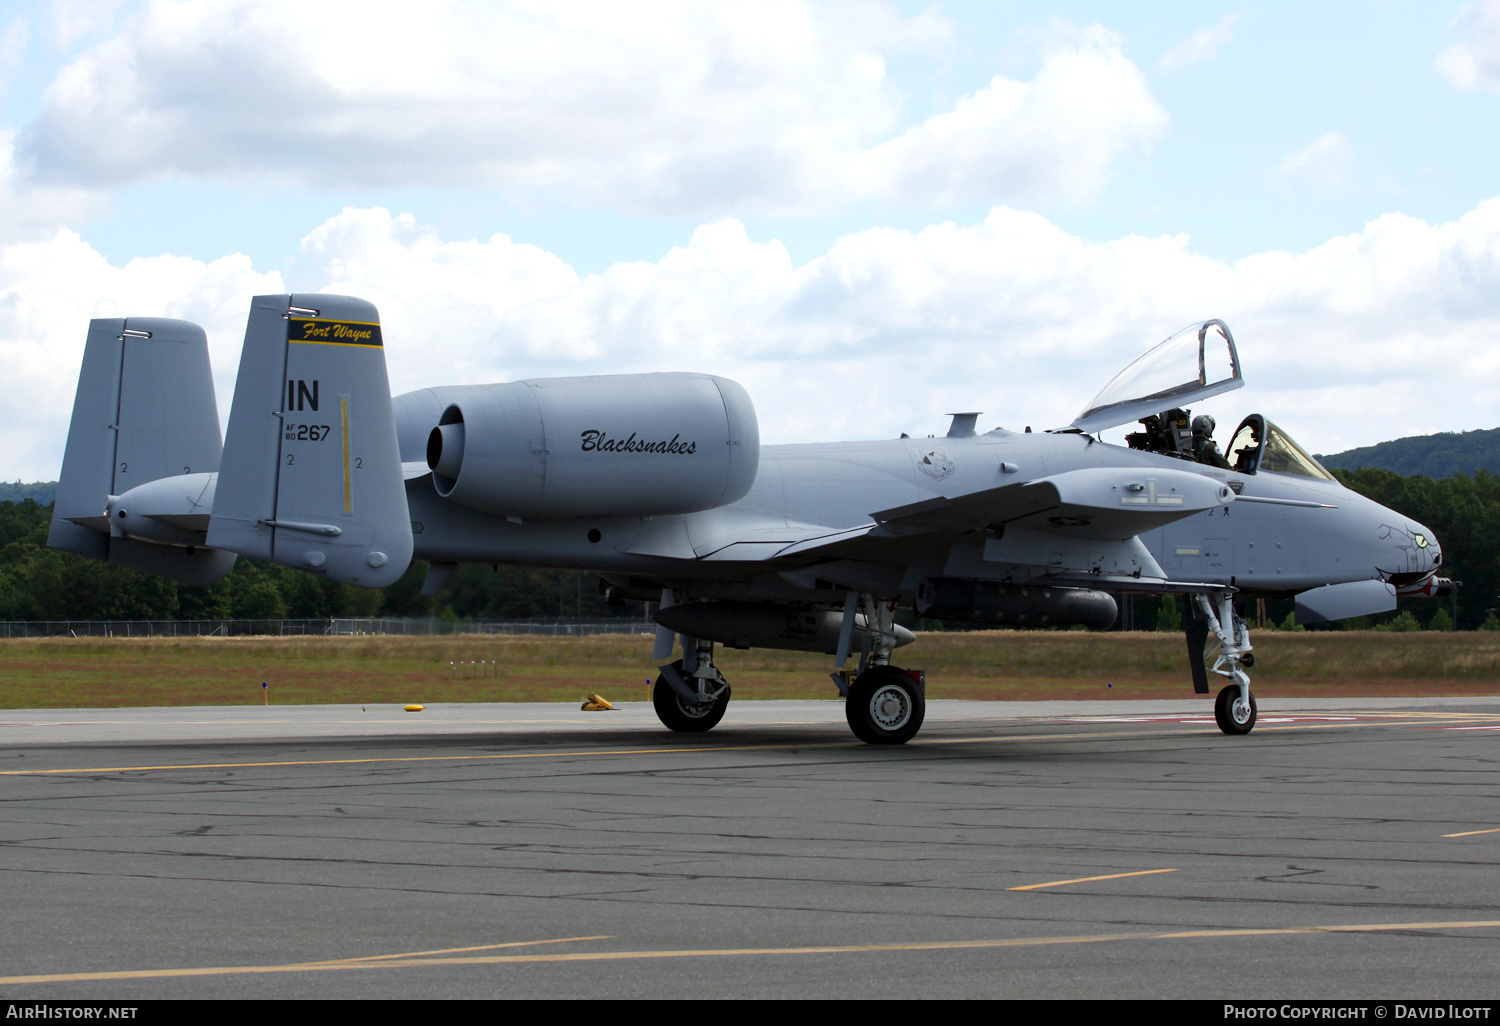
96, 672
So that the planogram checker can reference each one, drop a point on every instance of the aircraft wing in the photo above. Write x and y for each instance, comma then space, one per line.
1097, 502
1103, 504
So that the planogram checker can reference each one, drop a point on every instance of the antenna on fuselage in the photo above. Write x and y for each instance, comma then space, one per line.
963, 425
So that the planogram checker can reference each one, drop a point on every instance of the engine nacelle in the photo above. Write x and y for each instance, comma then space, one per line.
611, 445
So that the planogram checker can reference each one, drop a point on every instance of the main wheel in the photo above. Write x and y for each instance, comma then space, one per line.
683, 716
1232, 715
885, 706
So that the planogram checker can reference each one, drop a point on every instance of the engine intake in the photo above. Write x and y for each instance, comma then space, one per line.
609, 445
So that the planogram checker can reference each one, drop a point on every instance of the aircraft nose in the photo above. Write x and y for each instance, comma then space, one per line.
1417, 554
1428, 549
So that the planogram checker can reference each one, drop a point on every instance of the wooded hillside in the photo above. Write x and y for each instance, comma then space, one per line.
1436, 456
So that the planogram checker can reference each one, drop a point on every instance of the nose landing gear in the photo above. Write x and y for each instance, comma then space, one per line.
1234, 708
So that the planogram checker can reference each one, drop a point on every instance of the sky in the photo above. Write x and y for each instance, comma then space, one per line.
871, 214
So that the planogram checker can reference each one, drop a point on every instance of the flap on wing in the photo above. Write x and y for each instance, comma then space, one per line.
795, 538
1096, 502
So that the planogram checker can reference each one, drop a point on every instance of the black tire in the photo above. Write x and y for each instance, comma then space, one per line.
686, 717
1224, 711
885, 706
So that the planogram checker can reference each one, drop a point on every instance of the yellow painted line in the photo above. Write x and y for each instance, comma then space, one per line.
573, 754
1471, 833
460, 951
1107, 735
323, 342
838, 949
400, 759
344, 414
1090, 879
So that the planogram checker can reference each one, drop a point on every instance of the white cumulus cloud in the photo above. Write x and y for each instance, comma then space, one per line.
1474, 63
1366, 337
1327, 162
688, 107
49, 290
1202, 45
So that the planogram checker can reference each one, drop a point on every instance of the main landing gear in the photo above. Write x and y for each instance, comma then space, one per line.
1229, 656
691, 699
884, 704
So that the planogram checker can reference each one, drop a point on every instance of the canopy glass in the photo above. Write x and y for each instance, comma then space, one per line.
1197, 362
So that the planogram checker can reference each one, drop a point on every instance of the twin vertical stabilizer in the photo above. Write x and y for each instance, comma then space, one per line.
311, 473
144, 413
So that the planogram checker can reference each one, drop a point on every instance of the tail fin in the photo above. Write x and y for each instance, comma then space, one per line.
144, 411
311, 473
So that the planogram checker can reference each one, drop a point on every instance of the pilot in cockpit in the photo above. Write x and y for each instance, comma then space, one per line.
1245, 457
1205, 449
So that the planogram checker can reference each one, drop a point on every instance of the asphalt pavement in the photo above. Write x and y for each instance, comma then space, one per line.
1094, 850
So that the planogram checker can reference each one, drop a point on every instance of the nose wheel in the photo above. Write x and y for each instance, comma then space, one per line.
885, 706
1233, 714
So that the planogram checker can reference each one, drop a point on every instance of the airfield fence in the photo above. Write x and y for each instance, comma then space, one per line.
337, 626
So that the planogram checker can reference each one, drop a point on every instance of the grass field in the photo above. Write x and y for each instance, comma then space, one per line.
98, 672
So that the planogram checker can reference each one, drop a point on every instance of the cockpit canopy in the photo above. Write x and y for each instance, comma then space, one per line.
1197, 362
1261, 445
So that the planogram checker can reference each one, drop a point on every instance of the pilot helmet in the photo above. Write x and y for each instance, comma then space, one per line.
1204, 425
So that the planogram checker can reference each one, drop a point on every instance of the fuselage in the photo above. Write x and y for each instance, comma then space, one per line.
1285, 533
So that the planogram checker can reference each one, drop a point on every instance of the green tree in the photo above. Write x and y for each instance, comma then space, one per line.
1168, 614
1400, 623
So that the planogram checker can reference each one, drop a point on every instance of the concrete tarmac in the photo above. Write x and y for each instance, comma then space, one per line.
1107, 849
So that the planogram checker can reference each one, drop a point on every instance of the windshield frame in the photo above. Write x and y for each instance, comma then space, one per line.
1277, 448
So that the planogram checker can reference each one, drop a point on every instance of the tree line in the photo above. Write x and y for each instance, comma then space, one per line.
38, 583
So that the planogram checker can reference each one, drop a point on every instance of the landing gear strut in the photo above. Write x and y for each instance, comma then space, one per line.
884, 704
1234, 708
691, 695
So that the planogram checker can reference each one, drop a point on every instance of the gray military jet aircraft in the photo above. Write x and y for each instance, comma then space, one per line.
659, 484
